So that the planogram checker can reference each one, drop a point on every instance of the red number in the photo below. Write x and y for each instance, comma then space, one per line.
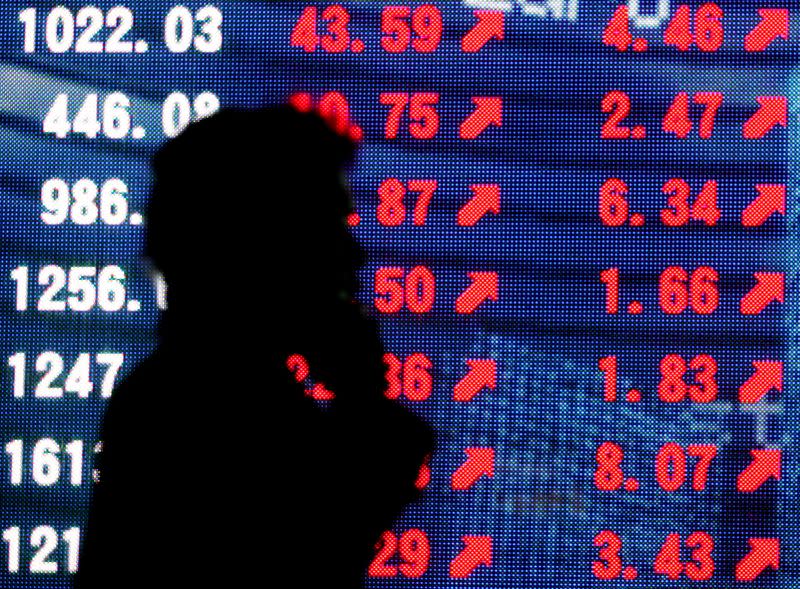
394, 367
706, 454
427, 22
609, 367
609, 476
613, 205
385, 548
704, 207
426, 189
618, 104
336, 110
398, 101
420, 290
668, 562
396, 30
416, 383
708, 30
388, 284
671, 467
391, 211
338, 38
677, 119
675, 294
418, 294
299, 366
706, 389
672, 388
333, 107
413, 549
610, 278
679, 192
304, 33
423, 115
712, 102
702, 566
417, 380
679, 31
617, 33
610, 564
704, 291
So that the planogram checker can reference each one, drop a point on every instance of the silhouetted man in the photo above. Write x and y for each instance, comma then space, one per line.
216, 469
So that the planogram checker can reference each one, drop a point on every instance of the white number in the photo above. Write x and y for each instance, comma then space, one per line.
177, 112
28, 19
116, 117
108, 293
11, 537
45, 462
91, 18
54, 279
79, 205
114, 362
78, 380
14, 449
59, 30
45, 540
116, 123
648, 21
57, 119
52, 365
20, 276
179, 29
61, 26
120, 19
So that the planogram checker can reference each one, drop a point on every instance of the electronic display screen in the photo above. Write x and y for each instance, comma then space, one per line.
579, 234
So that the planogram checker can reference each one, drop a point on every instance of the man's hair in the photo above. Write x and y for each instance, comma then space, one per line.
242, 179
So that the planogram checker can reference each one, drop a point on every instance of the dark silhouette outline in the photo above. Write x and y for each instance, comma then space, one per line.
217, 469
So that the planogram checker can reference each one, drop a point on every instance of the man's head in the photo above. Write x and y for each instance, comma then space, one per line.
248, 200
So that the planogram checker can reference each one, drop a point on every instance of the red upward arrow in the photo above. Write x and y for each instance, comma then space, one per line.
768, 288
491, 25
477, 551
768, 376
484, 286
773, 111
766, 465
488, 111
486, 199
764, 552
482, 373
774, 23
480, 461
771, 199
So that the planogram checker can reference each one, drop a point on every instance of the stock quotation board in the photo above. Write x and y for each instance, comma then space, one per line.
579, 219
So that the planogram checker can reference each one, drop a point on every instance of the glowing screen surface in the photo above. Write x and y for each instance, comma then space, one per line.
579, 225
